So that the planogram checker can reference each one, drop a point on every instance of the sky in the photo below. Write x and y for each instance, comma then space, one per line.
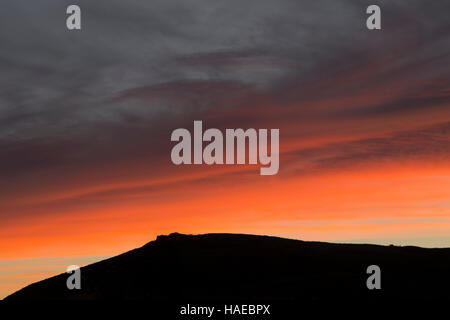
86, 118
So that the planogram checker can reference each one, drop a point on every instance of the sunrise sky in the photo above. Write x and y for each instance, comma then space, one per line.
86, 118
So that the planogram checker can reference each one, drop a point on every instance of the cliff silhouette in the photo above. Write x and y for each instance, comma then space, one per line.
222, 267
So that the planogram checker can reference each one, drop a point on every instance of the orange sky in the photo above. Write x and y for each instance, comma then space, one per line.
384, 203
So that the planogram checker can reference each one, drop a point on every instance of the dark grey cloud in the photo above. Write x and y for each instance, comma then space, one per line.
54, 80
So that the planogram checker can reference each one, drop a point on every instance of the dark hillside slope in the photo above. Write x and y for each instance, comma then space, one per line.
219, 267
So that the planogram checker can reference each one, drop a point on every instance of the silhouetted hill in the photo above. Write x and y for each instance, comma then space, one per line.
222, 267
